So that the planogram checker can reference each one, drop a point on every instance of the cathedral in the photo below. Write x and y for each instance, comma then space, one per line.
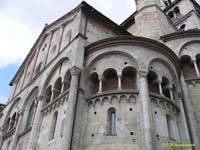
88, 83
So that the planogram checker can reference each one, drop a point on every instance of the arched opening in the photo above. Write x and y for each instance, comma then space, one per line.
170, 126
187, 67
198, 61
174, 92
165, 87
177, 11
111, 121
13, 121
48, 94
129, 78
169, 1
67, 80
152, 78
166, 3
171, 15
57, 88
182, 28
110, 80
30, 118
93, 83
53, 126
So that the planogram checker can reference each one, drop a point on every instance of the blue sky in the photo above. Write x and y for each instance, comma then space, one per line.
21, 22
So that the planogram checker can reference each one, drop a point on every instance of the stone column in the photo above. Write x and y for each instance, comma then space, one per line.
170, 87
145, 110
184, 134
13, 144
63, 85
160, 86
71, 104
100, 85
52, 94
119, 82
34, 135
196, 67
192, 124
1, 136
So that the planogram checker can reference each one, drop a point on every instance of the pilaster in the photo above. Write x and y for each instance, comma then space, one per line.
69, 119
146, 111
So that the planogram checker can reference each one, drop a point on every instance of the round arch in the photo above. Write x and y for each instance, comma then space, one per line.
52, 72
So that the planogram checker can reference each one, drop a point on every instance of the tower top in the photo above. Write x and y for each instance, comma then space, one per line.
142, 3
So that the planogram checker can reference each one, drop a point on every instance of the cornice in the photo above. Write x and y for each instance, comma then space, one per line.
136, 41
181, 34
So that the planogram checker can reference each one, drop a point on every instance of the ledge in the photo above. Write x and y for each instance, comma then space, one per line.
166, 99
111, 92
55, 100
192, 79
24, 132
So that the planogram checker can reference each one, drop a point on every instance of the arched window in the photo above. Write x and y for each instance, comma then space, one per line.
171, 15
182, 28
57, 88
177, 10
198, 60
129, 78
169, 1
93, 83
48, 94
166, 3
187, 66
67, 81
110, 80
165, 88
13, 121
31, 113
111, 122
53, 126
170, 126
152, 77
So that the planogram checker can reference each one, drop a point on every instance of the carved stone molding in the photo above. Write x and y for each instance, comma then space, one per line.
142, 73
75, 71
21, 112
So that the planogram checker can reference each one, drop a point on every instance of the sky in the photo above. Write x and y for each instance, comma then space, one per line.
21, 22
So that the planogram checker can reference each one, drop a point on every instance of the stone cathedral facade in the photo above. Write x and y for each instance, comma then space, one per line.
90, 84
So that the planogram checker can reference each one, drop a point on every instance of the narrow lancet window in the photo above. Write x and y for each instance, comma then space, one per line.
111, 122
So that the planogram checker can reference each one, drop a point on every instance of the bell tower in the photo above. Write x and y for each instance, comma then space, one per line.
145, 3
151, 21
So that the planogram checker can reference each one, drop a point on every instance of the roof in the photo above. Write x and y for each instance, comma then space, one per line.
129, 21
90, 9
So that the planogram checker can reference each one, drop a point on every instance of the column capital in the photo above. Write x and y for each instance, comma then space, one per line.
75, 71
143, 73
119, 75
21, 112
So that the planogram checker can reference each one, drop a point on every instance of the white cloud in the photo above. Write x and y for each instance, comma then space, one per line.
16, 40
3, 100
21, 22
